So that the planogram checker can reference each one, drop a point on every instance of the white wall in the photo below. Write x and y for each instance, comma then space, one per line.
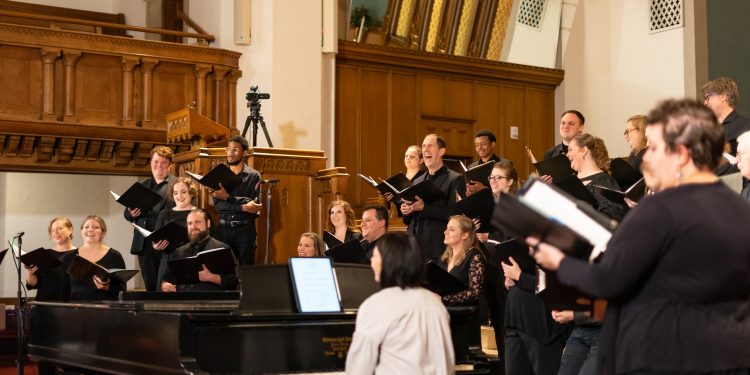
614, 68
28, 201
529, 46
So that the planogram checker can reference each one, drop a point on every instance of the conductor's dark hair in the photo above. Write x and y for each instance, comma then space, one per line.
439, 140
202, 212
402, 263
689, 123
486, 133
380, 212
241, 140
577, 113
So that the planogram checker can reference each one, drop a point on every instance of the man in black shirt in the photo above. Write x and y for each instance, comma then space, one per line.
484, 144
239, 208
198, 226
721, 95
148, 258
571, 124
427, 221
374, 224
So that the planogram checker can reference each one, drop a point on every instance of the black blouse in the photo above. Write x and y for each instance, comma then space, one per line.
86, 291
470, 272
606, 206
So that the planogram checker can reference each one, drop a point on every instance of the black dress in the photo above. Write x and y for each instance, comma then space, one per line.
53, 285
675, 275
470, 272
86, 291
165, 217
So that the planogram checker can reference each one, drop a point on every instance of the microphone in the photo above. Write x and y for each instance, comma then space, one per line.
20, 234
270, 181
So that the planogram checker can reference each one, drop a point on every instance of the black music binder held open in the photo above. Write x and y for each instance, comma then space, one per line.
394, 184
558, 168
425, 190
220, 174
347, 252
441, 281
219, 261
138, 196
634, 192
479, 205
174, 232
42, 258
82, 269
623, 173
479, 173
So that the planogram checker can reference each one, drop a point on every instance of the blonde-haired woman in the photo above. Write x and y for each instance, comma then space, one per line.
340, 221
463, 259
93, 231
635, 135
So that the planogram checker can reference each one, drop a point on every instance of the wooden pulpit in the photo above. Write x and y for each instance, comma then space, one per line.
187, 125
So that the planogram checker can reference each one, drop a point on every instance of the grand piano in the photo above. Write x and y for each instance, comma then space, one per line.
254, 331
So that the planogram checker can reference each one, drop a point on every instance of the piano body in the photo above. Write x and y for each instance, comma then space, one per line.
199, 333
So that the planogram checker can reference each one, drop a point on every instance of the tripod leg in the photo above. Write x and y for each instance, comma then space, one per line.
255, 132
265, 131
247, 125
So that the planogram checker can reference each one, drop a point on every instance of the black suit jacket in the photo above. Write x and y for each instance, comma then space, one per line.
147, 220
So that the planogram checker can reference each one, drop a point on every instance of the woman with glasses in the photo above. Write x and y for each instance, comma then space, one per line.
635, 135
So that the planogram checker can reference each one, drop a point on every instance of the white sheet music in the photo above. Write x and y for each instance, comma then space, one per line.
314, 285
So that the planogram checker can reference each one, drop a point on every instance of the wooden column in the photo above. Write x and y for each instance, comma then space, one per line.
219, 73
147, 71
201, 70
49, 56
128, 63
232, 78
70, 58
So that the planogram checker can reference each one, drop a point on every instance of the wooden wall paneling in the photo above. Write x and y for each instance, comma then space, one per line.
460, 99
98, 89
404, 118
450, 19
458, 134
347, 138
373, 131
220, 113
49, 57
173, 89
541, 126
421, 24
146, 93
128, 90
514, 114
488, 111
483, 22
433, 94
20, 82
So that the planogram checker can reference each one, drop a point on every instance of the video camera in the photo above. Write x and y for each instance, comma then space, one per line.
254, 96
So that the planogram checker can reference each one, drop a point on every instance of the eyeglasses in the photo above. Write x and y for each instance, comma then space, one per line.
705, 97
496, 178
627, 131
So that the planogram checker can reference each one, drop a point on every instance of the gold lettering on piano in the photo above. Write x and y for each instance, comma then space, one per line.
336, 346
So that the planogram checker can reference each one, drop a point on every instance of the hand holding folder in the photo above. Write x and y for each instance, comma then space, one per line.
138, 196
218, 177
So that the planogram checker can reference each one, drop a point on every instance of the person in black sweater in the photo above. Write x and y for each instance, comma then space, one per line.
94, 250
427, 220
53, 285
675, 271
200, 240
635, 135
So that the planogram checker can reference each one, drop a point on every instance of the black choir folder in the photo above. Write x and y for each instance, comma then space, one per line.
219, 174
347, 252
576, 189
479, 205
219, 261
138, 196
426, 190
331, 240
557, 167
546, 212
393, 184
173, 232
479, 173
42, 258
518, 251
634, 192
624, 173
83, 269
441, 281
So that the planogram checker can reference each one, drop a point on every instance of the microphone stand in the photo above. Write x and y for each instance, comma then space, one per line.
19, 314
270, 184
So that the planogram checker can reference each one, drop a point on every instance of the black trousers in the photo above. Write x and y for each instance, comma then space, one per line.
242, 240
526, 355
149, 261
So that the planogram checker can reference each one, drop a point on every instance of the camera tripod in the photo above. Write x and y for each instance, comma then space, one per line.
255, 117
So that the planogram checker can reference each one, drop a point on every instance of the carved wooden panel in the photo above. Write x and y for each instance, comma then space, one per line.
98, 87
388, 99
20, 81
174, 89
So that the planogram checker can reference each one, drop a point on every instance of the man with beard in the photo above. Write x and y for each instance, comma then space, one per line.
239, 208
427, 221
200, 240
148, 258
